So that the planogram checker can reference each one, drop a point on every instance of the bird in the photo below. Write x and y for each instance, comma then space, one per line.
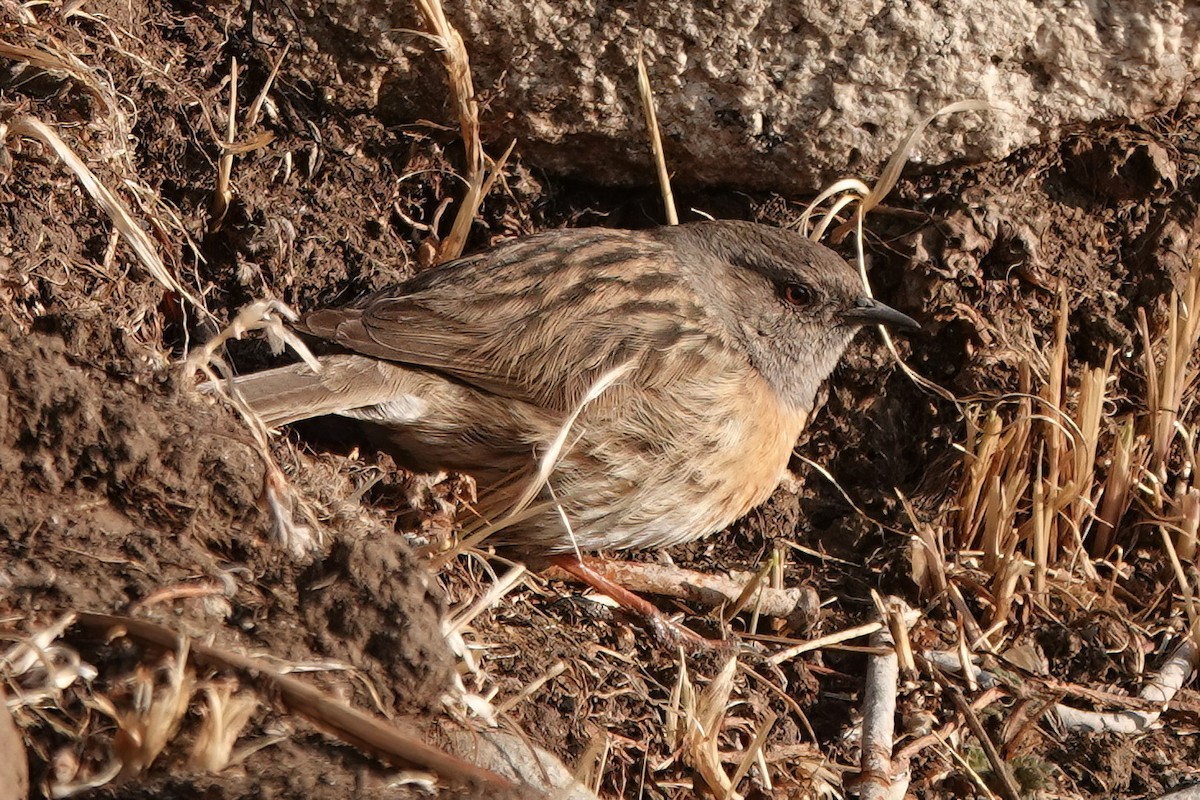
607, 389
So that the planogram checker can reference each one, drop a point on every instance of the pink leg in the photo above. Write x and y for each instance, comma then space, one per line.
590, 576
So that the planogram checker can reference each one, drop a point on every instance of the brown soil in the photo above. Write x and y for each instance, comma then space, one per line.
122, 483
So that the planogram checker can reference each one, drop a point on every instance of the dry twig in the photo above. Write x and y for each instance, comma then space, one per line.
348, 724
880, 777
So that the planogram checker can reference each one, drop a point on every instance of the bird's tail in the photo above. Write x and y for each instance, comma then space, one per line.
295, 392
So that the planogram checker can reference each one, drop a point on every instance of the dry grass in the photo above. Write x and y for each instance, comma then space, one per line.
229, 147
98, 152
481, 171
1055, 473
656, 147
122, 219
1057, 481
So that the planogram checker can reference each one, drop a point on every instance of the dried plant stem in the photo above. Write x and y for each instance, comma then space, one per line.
459, 620
117, 211
268, 316
701, 735
222, 193
454, 57
857, 632
938, 737
1160, 688
1189, 526
656, 148
1008, 787
1118, 487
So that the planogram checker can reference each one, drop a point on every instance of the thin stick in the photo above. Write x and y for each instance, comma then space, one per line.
1161, 689
222, 194
1008, 786
857, 632
701, 589
879, 719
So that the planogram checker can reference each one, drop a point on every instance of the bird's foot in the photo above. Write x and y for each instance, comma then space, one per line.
665, 631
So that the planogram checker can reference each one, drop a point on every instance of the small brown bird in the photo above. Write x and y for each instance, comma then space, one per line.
607, 389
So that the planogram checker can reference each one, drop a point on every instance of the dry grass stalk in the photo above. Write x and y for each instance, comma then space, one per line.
1170, 487
453, 53
927, 554
857, 632
226, 712
512, 511
590, 769
977, 478
1030, 490
457, 621
395, 746
479, 177
1189, 526
706, 590
756, 588
52, 56
266, 315
1117, 494
656, 148
223, 191
702, 729
117, 211
1008, 787
682, 696
900, 618
144, 730
754, 755
851, 193
531, 688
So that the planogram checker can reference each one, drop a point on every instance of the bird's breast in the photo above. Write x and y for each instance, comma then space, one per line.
727, 455
656, 469
747, 469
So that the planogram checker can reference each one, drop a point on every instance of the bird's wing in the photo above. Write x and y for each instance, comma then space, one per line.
542, 320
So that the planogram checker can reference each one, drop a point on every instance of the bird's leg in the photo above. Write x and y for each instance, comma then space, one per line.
655, 619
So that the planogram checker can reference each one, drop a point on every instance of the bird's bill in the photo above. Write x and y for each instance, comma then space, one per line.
869, 311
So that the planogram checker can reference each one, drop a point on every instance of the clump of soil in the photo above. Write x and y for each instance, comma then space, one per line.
126, 485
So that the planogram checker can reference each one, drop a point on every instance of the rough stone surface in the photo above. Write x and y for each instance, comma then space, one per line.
777, 94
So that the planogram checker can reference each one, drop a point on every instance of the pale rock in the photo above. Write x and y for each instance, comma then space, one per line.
769, 94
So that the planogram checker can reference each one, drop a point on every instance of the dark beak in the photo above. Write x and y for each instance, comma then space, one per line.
868, 311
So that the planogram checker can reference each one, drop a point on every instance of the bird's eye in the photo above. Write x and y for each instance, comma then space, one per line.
797, 294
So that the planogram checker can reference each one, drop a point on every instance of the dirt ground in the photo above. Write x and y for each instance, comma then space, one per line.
127, 491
